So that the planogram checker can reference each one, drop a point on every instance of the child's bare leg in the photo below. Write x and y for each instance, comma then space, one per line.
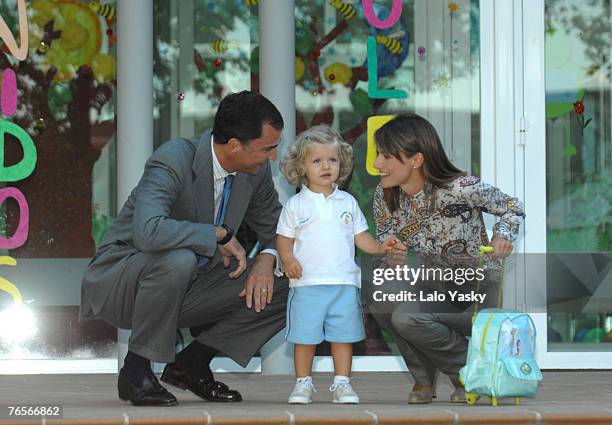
341, 389
343, 357
303, 355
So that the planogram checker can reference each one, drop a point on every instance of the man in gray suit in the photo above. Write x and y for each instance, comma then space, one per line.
164, 262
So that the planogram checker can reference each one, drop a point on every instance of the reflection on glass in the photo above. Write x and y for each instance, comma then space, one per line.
28, 332
66, 89
431, 54
203, 50
66, 86
579, 155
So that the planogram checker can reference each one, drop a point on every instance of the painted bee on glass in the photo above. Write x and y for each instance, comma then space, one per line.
108, 12
348, 11
48, 37
219, 46
391, 43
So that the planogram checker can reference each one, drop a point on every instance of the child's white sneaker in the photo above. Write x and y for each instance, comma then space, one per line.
302, 392
343, 392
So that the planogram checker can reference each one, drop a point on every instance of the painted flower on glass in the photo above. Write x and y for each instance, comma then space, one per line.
579, 109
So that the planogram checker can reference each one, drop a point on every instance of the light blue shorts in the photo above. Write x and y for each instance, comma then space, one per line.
320, 313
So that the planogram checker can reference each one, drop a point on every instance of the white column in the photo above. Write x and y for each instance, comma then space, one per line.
277, 72
277, 83
134, 104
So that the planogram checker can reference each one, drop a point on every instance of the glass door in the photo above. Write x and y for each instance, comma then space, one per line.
569, 156
430, 58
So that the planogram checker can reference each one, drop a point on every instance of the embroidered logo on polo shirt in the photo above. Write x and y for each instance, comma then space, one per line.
347, 217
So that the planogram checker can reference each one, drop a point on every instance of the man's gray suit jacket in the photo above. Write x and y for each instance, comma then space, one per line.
172, 207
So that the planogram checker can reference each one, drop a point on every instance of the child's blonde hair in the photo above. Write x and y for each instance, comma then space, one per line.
292, 165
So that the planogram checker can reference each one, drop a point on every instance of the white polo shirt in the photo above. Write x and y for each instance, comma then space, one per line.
324, 230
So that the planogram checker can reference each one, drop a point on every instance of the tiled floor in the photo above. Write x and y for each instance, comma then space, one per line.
567, 394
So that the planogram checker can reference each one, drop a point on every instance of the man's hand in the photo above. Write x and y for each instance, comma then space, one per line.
396, 255
293, 269
235, 250
503, 247
259, 284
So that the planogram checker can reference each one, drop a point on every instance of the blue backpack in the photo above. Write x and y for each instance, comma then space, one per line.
501, 356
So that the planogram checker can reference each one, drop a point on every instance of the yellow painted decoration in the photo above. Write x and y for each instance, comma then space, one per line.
74, 36
342, 73
219, 46
8, 286
105, 10
80, 40
42, 48
374, 123
442, 80
104, 67
299, 68
348, 11
390, 43
41, 12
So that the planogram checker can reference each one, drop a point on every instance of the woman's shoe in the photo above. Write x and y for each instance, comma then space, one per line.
421, 394
458, 395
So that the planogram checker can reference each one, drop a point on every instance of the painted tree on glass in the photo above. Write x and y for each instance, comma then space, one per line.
65, 89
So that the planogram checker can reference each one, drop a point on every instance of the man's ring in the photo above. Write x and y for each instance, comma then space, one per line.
264, 290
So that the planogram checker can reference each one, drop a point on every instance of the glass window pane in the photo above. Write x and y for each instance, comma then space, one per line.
578, 157
431, 55
203, 50
66, 106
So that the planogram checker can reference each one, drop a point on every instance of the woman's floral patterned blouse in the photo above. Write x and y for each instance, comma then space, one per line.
454, 228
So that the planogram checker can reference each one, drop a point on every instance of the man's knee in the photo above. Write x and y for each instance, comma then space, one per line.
180, 265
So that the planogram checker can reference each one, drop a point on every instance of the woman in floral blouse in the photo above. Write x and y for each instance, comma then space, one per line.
436, 210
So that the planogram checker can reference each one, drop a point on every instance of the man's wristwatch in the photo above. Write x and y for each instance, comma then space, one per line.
228, 236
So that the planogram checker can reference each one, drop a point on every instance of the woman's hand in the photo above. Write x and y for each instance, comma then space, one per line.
503, 247
388, 244
396, 255
293, 269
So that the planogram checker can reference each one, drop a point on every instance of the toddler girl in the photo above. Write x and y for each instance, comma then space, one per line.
317, 233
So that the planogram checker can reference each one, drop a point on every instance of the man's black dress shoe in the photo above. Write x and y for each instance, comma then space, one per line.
148, 393
202, 386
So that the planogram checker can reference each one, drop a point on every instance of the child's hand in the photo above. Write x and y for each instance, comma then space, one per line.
390, 244
293, 270
396, 252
